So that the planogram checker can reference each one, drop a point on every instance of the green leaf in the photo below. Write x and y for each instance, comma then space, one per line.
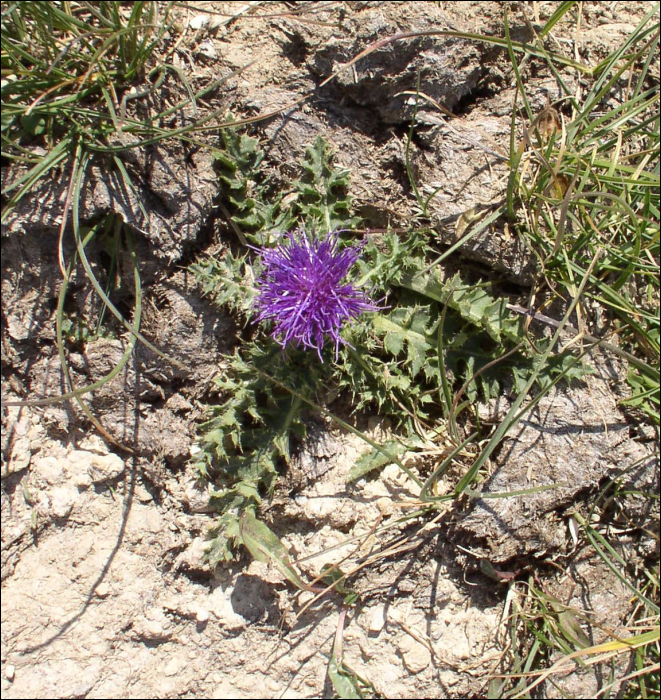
344, 684
645, 393
375, 459
334, 576
572, 630
473, 303
265, 546
409, 328
34, 124
323, 203
224, 536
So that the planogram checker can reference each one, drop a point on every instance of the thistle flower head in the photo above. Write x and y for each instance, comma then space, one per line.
301, 290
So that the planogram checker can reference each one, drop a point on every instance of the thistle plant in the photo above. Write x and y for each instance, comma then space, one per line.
302, 290
303, 284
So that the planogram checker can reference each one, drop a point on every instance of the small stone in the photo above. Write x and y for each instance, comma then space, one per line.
305, 597
154, 630
151, 629
367, 649
223, 690
36, 436
416, 656
172, 667
154, 627
207, 49
164, 687
377, 619
18, 328
82, 481
62, 500
102, 590
385, 505
199, 21
197, 497
106, 467
202, 615
10, 672
221, 606
20, 455
100, 468
142, 495
93, 443
49, 468
396, 479
449, 678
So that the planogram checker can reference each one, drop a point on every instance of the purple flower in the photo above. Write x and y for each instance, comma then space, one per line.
301, 290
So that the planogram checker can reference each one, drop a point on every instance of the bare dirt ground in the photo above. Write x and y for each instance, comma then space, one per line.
105, 591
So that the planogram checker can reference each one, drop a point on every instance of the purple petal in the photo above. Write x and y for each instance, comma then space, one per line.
301, 290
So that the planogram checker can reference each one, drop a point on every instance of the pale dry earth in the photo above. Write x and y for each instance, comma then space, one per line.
105, 590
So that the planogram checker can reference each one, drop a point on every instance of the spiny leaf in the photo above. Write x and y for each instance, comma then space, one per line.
474, 304
323, 203
253, 206
225, 535
228, 280
410, 328
251, 429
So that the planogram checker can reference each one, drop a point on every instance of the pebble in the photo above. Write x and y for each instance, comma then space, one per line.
273, 685
49, 468
305, 597
82, 481
223, 690
199, 21
197, 498
173, 667
385, 505
100, 468
449, 678
155, 626
377, 619
153, 629
207, 49
142, 495
20, 455
416, 656
102, 590
93, 443
395, 479
221, 607
62, 500
10, 672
